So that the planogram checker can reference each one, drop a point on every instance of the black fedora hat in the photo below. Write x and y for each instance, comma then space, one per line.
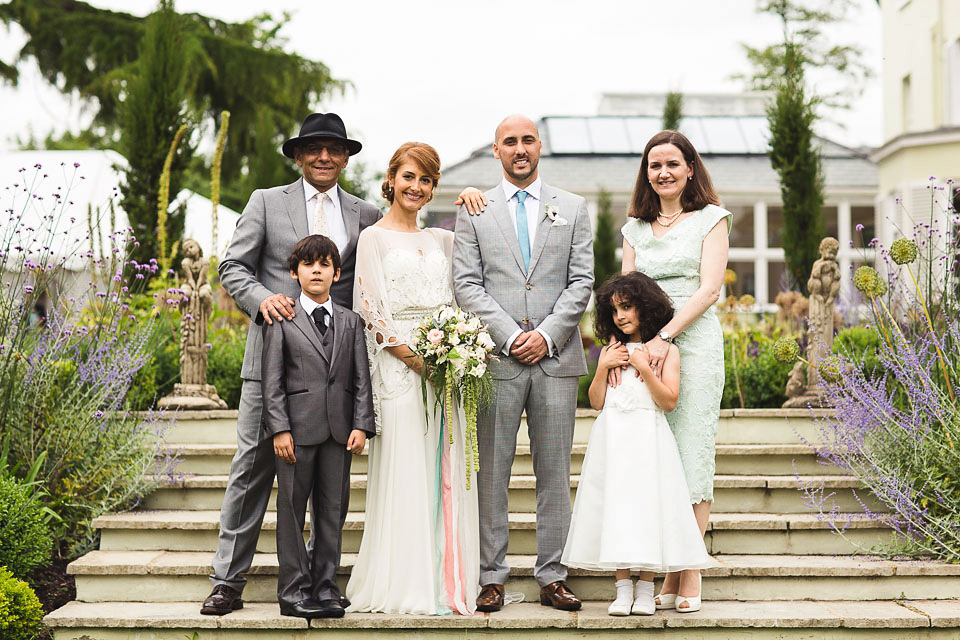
321, 125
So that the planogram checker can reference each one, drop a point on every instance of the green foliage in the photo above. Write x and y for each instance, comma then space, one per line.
747, 355
672, 111
224, 362
21, 614
805, 45
605, 262
245, 68
149, 118
858, 345
25, 540
63, 383
797, 163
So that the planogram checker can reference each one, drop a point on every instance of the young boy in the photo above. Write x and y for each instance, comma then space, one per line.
318, 408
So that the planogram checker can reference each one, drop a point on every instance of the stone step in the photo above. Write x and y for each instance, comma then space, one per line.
167, 576
732, 493
727, 533
737, 426
929, 619
732, 459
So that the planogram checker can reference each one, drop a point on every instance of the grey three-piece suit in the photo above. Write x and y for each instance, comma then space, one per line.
317, 386
490, 280
254, 268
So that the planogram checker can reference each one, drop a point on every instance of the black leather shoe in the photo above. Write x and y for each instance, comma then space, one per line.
304, 609
344, 601
221, 601
330, 609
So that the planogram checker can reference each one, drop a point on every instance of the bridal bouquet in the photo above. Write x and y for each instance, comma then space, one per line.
455, 347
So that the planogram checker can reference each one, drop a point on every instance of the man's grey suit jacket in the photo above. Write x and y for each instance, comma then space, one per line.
311, 394
254, 266
489, 278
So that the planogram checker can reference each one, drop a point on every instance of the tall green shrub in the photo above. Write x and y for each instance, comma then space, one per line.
796, 159
672, 111
21, 615
605, 262
151, 113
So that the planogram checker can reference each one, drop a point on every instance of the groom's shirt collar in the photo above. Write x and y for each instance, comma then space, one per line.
533, 189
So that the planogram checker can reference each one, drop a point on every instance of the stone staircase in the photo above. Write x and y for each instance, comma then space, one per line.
780, 569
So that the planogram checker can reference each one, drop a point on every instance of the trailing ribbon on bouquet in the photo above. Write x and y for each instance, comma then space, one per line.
456, 347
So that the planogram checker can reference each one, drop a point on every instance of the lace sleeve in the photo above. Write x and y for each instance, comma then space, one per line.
370, 296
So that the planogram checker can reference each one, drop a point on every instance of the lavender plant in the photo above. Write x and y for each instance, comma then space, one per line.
64, 373
897, 428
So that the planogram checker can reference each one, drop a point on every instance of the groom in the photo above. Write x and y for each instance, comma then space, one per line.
526, 268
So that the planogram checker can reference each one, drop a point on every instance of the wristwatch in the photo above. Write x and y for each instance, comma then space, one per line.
665, 336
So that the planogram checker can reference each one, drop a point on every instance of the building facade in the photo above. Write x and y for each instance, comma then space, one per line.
590, 154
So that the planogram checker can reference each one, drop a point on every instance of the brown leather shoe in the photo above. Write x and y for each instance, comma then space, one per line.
558, 595
221, 601
490, 598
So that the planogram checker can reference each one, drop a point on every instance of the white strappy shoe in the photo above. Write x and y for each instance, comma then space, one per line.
693, 602
667, 601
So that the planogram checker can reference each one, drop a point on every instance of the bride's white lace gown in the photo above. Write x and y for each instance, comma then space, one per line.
420, 548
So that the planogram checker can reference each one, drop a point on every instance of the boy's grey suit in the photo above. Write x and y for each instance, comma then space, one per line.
254, 268
317, 387
489, 279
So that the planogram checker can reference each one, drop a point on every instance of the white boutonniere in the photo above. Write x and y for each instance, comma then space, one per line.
553, 214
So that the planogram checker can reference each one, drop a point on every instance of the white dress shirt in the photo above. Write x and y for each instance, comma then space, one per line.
532, 205
309, 305
335, 224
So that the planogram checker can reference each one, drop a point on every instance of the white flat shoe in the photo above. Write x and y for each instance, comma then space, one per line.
621, 606
643, 604
693, 602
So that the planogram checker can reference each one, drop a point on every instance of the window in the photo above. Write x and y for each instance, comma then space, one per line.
741, 235
829, 217
746, 280
862, 216
774, 226
776, 279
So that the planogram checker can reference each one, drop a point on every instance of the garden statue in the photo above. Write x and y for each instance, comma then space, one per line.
823, 285
193, 392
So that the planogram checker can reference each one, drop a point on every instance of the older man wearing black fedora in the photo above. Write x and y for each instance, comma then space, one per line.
253, 272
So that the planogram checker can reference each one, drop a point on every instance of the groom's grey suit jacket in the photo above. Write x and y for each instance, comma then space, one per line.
489, 278
254, 266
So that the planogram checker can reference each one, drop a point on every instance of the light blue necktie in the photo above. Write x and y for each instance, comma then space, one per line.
523, 232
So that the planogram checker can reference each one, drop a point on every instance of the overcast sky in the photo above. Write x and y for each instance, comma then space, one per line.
446, 72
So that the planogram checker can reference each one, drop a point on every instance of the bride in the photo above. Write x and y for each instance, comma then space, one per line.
420, 547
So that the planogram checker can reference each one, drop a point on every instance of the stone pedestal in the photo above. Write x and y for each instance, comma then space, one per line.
192, 396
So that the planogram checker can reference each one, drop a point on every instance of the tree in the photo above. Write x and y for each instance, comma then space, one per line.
244, 68
794, 153
149, 116
796, 160
672, 111
605, 262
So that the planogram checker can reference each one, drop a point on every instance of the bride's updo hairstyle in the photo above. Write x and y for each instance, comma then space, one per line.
423, 155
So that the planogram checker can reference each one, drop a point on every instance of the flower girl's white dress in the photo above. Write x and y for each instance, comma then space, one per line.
632, 509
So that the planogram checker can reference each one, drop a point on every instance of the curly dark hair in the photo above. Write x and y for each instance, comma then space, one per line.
654, 307
699, 192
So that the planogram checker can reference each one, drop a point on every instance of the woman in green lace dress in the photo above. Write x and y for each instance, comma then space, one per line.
678, 235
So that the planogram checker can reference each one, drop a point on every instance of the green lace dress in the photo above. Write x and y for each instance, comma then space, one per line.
674, 262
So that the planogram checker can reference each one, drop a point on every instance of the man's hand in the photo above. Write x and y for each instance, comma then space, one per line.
529, 347
474, 200
356, 441
283, 447
277, 305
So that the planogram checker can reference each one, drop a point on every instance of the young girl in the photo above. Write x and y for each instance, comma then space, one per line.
632, 510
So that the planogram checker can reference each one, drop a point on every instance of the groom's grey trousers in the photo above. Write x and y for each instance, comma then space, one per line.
551, 405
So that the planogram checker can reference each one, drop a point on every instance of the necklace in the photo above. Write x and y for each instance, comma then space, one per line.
668, 218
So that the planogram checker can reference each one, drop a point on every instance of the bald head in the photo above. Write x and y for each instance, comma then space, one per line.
517, 146
515, 119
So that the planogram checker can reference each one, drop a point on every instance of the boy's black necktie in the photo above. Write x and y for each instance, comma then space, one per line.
320, 318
